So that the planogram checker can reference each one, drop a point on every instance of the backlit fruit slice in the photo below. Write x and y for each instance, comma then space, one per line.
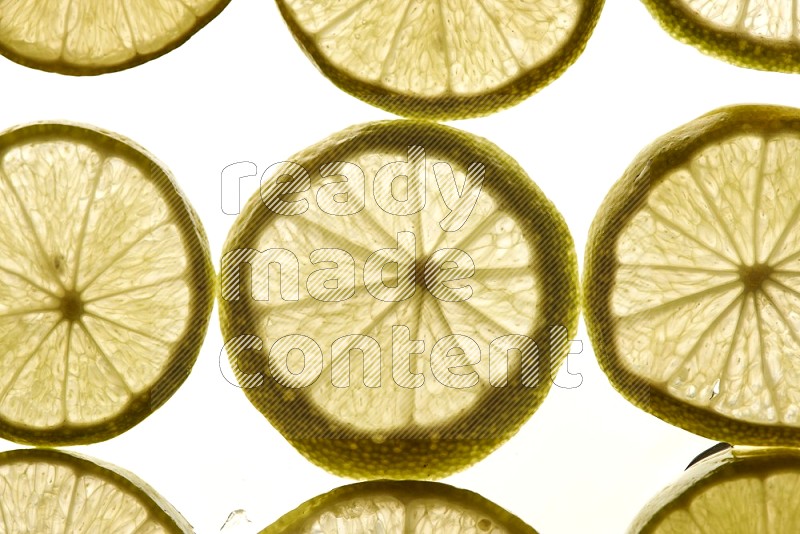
409, 507
442, 59
106, 284
692, 279
737, 491
84, 37
421, 296
46, 490
759, 34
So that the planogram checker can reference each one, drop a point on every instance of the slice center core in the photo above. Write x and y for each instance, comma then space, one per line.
753, 276
71, 305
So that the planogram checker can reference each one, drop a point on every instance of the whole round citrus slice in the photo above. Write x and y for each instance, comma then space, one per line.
410, 507
693, 277
106, 284
86, 37
441, 59
397, 298
758, 34
51, 491
737, 491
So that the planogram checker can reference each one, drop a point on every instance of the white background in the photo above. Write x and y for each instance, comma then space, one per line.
242, 90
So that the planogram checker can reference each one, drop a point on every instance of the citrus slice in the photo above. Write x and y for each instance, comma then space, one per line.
105, 284
759, 34
410, 507
86, 37
693, 277
52, 491
738, 491
442, 59
396, 299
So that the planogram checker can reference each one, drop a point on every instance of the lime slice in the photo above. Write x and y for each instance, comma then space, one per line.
441, 59
86, 37
52, 491
423, 296
105, 285
693, 277
738, 491
411, 507
759, 34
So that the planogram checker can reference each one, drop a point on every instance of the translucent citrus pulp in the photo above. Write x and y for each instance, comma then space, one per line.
739, 491
761, 34
91, 37
693, 277
105, 285
442, 58
51, 491
408, 507
425, 378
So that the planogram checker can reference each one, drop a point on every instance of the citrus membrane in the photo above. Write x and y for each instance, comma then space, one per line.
105, 284
397, 298
410, 507
443, 59
693, 277
759, 34
85, 37
51, 491
737, 491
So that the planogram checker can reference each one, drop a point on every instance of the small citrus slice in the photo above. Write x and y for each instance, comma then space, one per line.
84, 37
759, 34
53, 491
693, 277
410, 507
442, 59
397, 299
737, 491
106, 284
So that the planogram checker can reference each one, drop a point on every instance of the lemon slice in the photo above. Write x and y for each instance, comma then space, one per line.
411, 507
52, 491
86, 37
105, 285
739, 491
759, 34
443, 59
402, 312
693, 277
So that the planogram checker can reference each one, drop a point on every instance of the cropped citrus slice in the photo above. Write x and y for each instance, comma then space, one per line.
442, 59
759, 34
738, 491
410, 507
105, 284
693, 277
52, 491
85, 37
397, 298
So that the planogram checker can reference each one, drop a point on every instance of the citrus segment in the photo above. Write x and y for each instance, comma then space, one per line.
441, 58
51, 491
691, 285
406, 321
738, 491
760, 34
107, 272
410, 507
89, 37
